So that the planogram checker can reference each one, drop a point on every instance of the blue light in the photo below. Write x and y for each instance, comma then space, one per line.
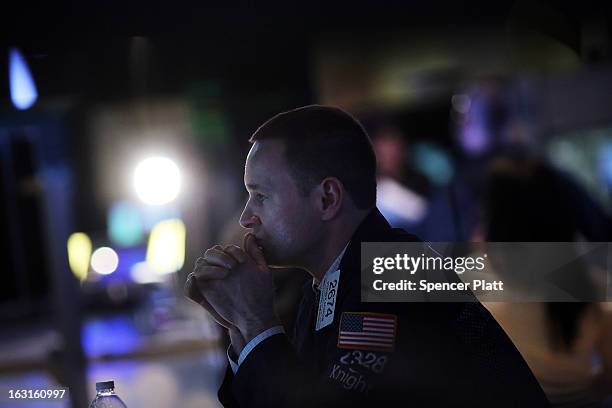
605, 163
154, 214
110, 336
434, 162
22, 88
128, 258
125, 224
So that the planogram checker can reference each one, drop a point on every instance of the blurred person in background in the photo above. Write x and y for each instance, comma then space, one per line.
311, 177
568, 346
402, 206
479, 115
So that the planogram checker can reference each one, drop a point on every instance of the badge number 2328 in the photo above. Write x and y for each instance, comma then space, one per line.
371, 361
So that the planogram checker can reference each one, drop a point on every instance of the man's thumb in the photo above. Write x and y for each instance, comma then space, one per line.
251, 247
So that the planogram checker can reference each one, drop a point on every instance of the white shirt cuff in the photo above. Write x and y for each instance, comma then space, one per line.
251, 345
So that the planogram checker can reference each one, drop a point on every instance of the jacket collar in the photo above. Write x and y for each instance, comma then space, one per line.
373, 228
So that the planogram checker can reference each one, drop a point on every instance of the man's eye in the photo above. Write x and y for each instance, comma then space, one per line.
260, 197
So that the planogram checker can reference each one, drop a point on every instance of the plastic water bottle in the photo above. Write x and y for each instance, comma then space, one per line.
106, 397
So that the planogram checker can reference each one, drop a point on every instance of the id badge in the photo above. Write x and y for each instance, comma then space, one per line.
327, 300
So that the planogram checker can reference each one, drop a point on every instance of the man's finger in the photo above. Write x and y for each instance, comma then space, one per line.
191, 289
217, 257
206, 305
199, 261
251, 247
193, 293
236, 252
208, 272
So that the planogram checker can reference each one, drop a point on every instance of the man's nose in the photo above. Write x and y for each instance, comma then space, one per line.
248, 219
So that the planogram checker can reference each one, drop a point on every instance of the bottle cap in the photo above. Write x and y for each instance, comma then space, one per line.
105, 385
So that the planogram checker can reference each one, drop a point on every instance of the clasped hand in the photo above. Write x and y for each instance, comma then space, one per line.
235, 285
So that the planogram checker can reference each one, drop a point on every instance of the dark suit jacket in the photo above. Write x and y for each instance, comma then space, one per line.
445, 354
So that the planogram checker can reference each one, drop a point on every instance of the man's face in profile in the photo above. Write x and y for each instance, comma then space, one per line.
282, 218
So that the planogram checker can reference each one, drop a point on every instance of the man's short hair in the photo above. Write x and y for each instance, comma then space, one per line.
324, 141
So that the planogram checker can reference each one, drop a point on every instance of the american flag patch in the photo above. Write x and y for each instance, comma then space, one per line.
367, 331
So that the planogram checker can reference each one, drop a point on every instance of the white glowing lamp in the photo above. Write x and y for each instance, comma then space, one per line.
157, 180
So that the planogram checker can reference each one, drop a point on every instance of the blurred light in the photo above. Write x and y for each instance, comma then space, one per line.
129, 257
143, 273
157, 180
125, 227
473, 133
104, 261
110, 336
22, 88
474, 138
605, 163
166, 249
398, 202
461, 103
153, 214
433, 162
79, 254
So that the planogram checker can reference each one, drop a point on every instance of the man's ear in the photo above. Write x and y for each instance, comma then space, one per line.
329, 196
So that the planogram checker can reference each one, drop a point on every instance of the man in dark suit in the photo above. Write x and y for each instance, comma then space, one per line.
311, 178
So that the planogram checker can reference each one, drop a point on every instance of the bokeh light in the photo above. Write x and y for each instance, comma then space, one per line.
605, 163
399, 203
473, 131
125, 225
152, 215
79, 254
141, 272
166, 249
157, 180
104, 261
22, 88
434, 162
461, 103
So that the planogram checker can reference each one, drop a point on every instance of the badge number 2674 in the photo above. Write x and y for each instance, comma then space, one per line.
331, 299
327, 301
